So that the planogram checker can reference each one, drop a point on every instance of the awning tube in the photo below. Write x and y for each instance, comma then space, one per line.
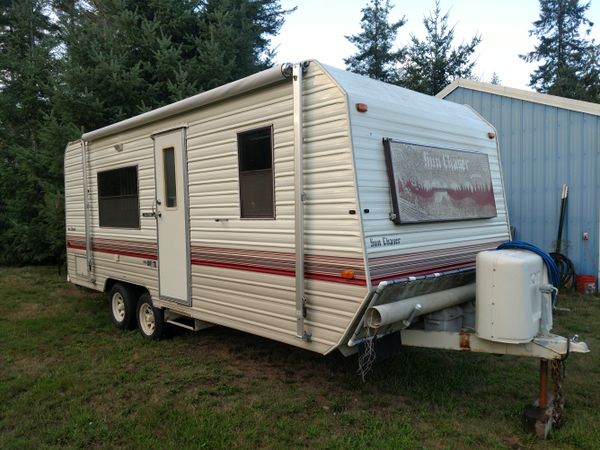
381, 315
255, 81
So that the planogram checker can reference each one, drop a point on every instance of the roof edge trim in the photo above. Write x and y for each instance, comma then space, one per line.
247, 84
520, 94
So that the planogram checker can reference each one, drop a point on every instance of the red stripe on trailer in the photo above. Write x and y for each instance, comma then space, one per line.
75, 246
469, 265
229, 265
323, 268
111, 251
288, 273
426, 262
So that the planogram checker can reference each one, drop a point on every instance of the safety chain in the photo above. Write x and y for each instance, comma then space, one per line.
558, 374
368, 356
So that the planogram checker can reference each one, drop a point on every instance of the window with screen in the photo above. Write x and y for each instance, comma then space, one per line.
118, 201
255, 158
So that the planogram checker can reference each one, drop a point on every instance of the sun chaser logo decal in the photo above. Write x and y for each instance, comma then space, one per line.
384, 241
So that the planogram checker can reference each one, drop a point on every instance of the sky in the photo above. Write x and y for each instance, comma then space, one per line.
317, 28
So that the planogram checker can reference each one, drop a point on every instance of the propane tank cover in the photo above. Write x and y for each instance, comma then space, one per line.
508, 295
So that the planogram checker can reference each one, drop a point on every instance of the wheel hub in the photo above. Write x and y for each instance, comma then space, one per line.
118, 306
147, 322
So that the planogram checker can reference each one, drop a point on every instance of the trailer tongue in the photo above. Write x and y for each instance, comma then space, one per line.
514, 303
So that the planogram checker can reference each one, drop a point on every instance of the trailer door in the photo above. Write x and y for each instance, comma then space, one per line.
172, 216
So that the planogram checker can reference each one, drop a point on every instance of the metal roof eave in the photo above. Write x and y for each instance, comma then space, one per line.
520, 94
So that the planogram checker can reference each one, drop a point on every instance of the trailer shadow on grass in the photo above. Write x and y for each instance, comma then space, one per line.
72, 380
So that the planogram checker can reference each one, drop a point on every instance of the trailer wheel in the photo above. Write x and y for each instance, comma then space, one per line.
150, 320
122, 306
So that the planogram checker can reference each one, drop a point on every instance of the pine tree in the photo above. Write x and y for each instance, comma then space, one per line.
234, 38
495, 80
569, 63
376, 57
591, 75
27, 83
124, 57
26, 69
68, 66
433, 63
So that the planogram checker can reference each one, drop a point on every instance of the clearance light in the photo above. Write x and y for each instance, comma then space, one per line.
491, 135
347, 274
362, 107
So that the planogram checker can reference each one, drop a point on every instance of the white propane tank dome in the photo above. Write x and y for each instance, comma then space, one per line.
508, 296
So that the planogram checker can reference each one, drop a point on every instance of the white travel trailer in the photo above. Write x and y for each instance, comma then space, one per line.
311, 206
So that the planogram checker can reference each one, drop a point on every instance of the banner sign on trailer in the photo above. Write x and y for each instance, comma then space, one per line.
433, 184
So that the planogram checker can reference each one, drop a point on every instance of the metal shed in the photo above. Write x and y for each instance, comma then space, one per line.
545, 141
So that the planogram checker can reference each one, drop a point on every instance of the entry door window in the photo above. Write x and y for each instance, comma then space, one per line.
170, 177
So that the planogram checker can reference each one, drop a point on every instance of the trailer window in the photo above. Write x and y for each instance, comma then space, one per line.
255, 158
118, 202
170, 180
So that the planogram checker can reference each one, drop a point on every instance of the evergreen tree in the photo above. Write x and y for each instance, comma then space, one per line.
27, 80
569, 63
433, 63
68, 66
495, 80
591, 75
124, 57
234, 38
26, 69
376, 57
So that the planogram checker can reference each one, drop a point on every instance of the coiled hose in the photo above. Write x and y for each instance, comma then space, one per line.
553, 273
565, 269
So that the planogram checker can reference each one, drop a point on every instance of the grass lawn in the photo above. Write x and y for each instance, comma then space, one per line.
69, 378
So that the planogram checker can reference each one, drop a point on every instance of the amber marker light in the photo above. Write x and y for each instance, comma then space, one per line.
362, 107
347, 274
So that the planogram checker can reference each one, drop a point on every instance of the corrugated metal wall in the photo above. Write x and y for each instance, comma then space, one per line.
542, 147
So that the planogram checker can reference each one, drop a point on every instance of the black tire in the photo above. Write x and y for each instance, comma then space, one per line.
150, 320
122, 306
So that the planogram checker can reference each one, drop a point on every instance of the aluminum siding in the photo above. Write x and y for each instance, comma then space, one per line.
542, 147
409, 116
262, 303
109, 243
74, 209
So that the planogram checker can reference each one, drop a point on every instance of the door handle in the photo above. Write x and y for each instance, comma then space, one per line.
154, 213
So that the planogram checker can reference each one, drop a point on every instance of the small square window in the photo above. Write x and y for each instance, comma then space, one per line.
255, 159
118, 201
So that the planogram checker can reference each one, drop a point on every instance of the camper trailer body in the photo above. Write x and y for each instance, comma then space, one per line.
314, 207
216, 238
